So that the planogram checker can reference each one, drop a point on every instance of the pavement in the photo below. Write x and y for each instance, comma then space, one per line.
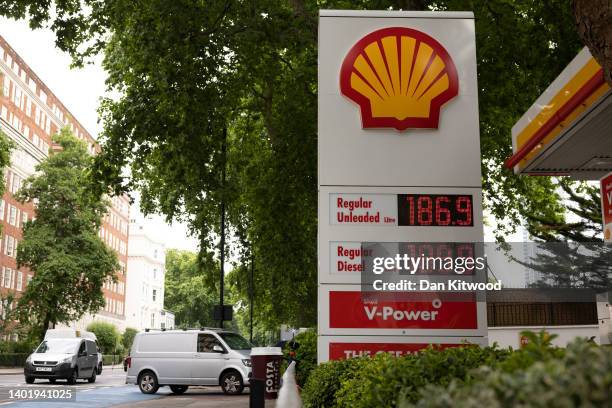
110, 390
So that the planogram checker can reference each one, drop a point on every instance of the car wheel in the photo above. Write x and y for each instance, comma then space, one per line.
99, 368
52, 380
29, 380
147, 382
231, 383
92, 379
179, 389
73, 377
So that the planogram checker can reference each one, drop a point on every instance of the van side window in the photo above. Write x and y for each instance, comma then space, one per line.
82, 347
206, 342
91, 347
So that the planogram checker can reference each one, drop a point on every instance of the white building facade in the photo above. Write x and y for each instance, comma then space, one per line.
144, 300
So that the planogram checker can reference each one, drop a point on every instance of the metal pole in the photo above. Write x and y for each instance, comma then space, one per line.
222, 243
251, 288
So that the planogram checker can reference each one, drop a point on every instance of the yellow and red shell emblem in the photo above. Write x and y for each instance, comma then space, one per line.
400, 78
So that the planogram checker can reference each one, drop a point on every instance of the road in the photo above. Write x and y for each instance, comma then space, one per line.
110, 390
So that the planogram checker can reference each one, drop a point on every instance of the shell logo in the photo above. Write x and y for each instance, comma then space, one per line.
400, 78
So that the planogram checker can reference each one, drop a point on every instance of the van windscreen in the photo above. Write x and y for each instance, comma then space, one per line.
59, 346
235, 341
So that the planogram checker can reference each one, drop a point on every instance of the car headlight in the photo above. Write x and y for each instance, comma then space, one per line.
29, 359
246, 362
67, 360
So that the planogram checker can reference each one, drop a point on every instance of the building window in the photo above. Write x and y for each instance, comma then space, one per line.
2, 205
9, 246
16, 183
19, 281
12, 215
7, 272
152, 320
154, 295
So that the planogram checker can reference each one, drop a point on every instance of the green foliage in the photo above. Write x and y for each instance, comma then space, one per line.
61, 245
112, 359
382, 380
188, 293
23, 346
187, 71
305, 355
13, 359
128, 338
386, 377
325, 382
539, 347
581, 378
107, 334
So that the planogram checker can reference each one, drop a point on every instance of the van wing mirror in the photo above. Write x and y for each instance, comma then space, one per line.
218, 349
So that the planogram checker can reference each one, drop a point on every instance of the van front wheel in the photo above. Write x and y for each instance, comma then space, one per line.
147, 382
231, 383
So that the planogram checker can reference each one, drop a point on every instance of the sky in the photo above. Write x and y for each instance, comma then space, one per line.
80, 91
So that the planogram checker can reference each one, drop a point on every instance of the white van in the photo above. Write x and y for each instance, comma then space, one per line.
180, 358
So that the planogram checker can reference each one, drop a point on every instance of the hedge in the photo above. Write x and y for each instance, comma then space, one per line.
305, 355
13, 359
381, 381
111, 359
20, 347
581, 378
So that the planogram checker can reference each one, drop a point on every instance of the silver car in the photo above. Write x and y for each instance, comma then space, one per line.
180, 358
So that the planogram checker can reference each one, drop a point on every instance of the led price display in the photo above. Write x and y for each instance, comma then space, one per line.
435, 210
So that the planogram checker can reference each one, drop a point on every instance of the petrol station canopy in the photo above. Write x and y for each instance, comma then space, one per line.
568, 130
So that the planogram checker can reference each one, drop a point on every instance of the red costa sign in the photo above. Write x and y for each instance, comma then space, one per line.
340, 351
425, 310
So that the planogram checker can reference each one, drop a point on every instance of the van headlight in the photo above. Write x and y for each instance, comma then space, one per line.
29, 359
246, 362
67, 360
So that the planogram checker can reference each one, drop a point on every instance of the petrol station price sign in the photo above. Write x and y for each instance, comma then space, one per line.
435, 210
399, 166
413, 210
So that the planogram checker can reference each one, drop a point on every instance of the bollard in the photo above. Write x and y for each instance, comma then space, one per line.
256, 393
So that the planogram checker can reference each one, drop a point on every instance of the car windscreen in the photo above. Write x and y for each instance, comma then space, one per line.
235, 341
59, 346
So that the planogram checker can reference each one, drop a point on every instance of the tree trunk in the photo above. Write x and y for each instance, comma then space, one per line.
46, 324
594, 26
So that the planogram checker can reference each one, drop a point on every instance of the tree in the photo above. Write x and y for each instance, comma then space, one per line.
61, 245
552, 224
187, 292
128, 338
569, 251
594, 25
107, 336
188, 71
